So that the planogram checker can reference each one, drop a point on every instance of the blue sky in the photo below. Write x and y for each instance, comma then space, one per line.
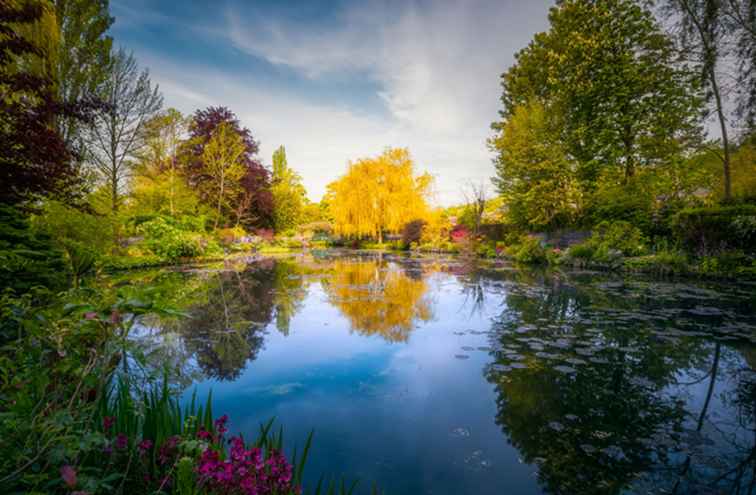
334, 81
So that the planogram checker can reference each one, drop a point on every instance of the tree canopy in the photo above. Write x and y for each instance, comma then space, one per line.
378, 195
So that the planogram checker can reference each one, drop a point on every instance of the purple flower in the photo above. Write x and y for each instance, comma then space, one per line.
245, 471
220, 424
121, 441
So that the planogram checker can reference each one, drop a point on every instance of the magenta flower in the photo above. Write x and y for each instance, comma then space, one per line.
122, 441
68, 473
168, 450
107, 423
203, 434
91, 315
144, 446
220, 424
245, 471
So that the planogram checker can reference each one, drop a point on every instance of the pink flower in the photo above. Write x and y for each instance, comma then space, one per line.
220, 424
203, 434
68, 474
144, 446
91, 315
107, 423
122, 441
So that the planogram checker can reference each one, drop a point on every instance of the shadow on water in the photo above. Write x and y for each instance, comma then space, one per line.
576, 382
609, 385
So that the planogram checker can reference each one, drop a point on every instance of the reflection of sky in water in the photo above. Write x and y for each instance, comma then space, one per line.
421, 416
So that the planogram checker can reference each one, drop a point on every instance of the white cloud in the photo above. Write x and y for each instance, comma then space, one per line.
437, 67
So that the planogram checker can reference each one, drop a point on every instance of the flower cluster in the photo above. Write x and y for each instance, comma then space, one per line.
246, 471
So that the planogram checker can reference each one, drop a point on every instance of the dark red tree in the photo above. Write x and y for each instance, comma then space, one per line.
254, 205
34, 160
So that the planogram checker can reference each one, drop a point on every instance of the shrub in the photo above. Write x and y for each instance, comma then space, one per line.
228, 236
529, 252
725, 263
168, 242
620, 236
714, 228
459, 233
663, 262
28, 258
629, 203
413, 232
582, 251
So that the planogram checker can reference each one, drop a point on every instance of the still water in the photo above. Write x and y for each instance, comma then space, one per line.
429, 376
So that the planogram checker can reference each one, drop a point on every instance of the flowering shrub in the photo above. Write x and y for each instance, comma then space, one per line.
459, 233
245, 471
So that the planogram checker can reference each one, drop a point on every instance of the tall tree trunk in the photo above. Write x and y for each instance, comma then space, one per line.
725, 140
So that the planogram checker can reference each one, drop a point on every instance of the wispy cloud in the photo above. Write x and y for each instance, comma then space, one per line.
434, 65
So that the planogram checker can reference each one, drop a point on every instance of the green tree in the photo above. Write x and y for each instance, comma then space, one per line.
158, 185
223, 160
534, 173
607, 73
82, 57
289, 195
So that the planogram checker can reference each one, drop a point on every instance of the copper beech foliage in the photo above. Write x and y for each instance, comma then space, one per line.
34, 159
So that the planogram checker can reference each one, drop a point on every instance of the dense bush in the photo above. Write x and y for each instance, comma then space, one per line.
413, 232
621, 236
712, 229
630, 203
529, 252
168, 242
662, 262
28, 258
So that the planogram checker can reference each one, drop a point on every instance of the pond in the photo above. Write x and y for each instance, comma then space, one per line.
429, 376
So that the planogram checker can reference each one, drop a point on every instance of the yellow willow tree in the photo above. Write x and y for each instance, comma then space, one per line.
378, 195
223, 159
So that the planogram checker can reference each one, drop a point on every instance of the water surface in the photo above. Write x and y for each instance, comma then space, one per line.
428, 376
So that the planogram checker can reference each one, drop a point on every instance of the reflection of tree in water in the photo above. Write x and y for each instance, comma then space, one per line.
226, 328
590, 390
290, 291
379, 297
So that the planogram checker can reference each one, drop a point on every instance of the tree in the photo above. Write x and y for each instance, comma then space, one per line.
82, 58
378, 195
116, 136
34, 159
223, 157
289, 195
534, 174
608, 73
253, 204
702, 36
475, 205
158, 170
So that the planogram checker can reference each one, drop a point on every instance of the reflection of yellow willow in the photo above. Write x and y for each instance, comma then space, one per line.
378, 301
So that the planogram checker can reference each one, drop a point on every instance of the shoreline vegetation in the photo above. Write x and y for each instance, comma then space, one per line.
600, 160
